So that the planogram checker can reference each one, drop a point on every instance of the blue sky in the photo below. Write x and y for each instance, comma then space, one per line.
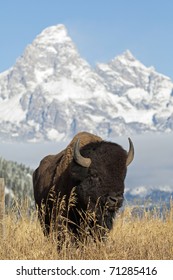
101, 29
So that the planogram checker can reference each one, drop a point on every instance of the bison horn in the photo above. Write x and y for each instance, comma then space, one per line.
79, 159
130, 154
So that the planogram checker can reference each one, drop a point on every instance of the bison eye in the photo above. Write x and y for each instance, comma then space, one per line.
94, 175
79, 173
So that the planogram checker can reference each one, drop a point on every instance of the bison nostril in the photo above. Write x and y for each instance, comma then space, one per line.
113, 199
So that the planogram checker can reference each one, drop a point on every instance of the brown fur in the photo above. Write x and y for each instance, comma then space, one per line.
85, 138
53, 166
103, 180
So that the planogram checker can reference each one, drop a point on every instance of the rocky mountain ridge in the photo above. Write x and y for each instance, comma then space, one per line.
51, 93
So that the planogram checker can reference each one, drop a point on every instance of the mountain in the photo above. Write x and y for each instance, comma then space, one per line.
51, 93
148, 95
149, 195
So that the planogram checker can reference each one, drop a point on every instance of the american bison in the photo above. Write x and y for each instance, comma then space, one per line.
94, 170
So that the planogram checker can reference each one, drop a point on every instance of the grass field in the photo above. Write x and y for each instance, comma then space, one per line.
149, 237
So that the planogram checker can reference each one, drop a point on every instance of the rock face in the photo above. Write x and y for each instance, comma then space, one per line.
51, 93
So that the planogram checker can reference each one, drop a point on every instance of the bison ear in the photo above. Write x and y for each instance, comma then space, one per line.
130, 154
78, 158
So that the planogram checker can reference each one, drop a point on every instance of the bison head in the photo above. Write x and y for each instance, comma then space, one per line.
99, 170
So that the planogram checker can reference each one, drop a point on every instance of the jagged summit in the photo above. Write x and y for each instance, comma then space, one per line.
125, 56
126, 59
51, 93
53, 34
128, 55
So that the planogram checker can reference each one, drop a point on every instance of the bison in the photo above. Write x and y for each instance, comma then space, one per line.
94, 170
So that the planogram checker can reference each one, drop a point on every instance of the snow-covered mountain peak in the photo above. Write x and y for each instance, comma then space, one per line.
53, 34
51, 49
127, 59
51, 56
127, 55
54, 93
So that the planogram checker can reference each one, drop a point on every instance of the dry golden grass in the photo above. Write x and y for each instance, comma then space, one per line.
149, 237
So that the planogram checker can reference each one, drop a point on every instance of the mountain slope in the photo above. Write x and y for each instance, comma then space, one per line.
51, 93
147, 94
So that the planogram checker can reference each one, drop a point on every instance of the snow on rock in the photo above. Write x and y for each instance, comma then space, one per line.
51, 93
